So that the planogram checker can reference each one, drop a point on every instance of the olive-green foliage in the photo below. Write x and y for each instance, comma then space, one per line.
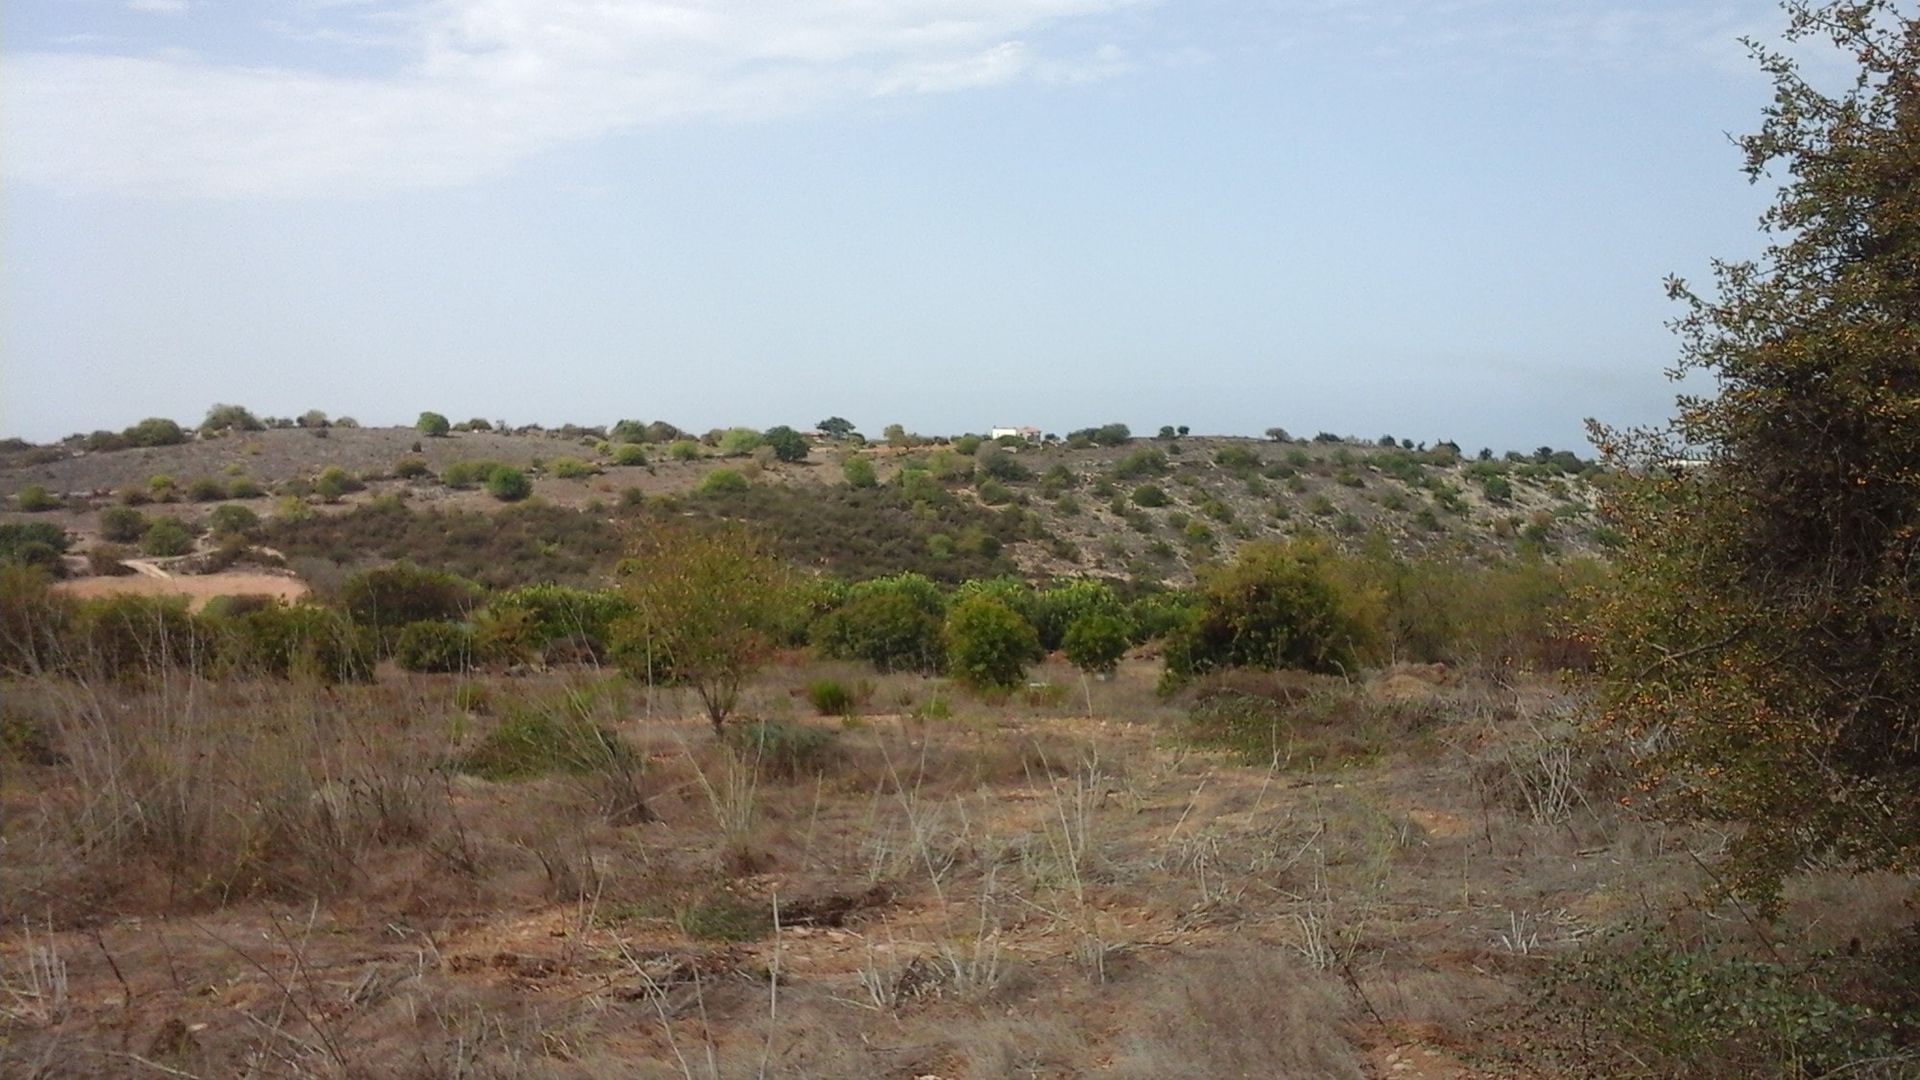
536, 738
994, 462
301, 640
411, 468
390, 597
513, 545
786, 749
1062, 603
1519, 611
1149, 495
988, 643
629, 454
34, 620
1239, 459
122, 524
788, 444
683, 450
166, 537
508, 484
563, 613
466, 474
1141, 463
572, 468
1766, 619
35, 498
1096, 641
133, 636
230, 418
434, 646
1661, 1008
892, 623
738, 442
432, 424
34, 543
830, 697
154, 431
232, 520
722, 482
858, 472
709, 605
244, 487
1277, 605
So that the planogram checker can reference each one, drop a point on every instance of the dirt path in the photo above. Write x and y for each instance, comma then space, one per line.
150, 580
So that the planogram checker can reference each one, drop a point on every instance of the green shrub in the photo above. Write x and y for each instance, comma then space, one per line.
536, 739
994, 462
1277, 605
859, 473
334, 482
432, 425
683, 450
1238, 459
389, 597
411, 468
629, 454
788, 445
722, 481
1141, 463
34, 543
724, 917
988, 644
571, 468
166, 537
132, 636
892, 623
434, 647
1150, 495
35, 498
205, 489
994, 493
738, 442
108, 560
780, 748
300, 640
508, 484
34, 620
830, 697
244, 487
230, 520
154, 431
1498, 489
230, 418
1096, 642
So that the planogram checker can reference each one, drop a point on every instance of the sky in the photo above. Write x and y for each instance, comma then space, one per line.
1430, 218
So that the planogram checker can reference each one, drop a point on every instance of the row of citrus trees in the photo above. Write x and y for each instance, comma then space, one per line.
706, 607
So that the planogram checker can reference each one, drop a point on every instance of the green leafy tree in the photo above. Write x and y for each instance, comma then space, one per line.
708, 606
155, 431
432, 424
988, 643
835, 427
166, 537
1767, 619
1096, 642
788, 444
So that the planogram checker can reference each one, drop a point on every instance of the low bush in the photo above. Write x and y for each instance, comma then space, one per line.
780, 748
434, 647
231, 520
721, 482
572, 468
630, 454
508, 484
301, 640
390, 597
166, 537
35, 498
830, 697
206, 489
122, 524
108, 560
411, 468
1150, 495
120, 637
538, 738
859, 473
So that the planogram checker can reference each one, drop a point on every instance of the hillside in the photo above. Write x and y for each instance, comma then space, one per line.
1147, 509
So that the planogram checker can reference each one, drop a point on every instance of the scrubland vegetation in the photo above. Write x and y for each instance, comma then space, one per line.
624, 751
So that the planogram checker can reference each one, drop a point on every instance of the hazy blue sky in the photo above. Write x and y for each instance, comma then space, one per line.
1438, 219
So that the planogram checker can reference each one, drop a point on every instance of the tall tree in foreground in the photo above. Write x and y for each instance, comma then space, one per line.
1764, 643
707, 603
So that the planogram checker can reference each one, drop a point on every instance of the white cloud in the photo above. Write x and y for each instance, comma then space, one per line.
488, 83
158, 7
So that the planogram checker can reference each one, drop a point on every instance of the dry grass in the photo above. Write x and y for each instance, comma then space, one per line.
227, 879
